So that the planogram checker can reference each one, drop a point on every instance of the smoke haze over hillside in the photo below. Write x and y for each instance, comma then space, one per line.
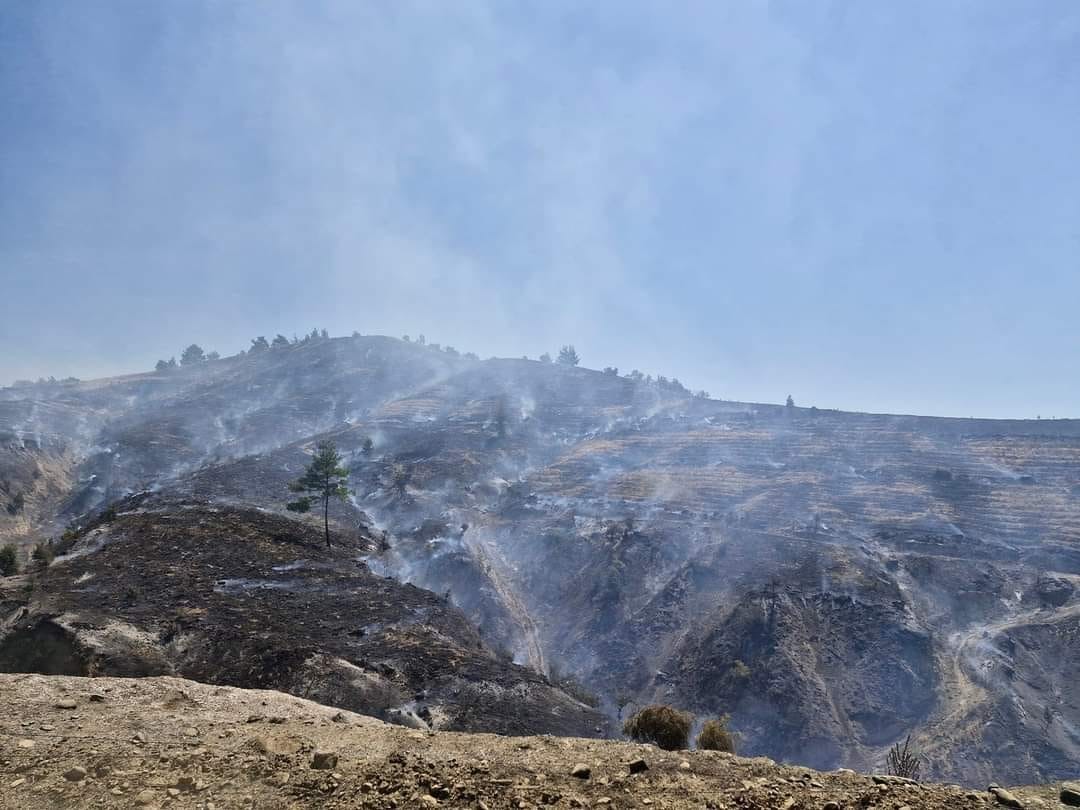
868, 206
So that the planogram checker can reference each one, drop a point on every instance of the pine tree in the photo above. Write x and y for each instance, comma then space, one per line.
192, 354
323, 479
568, 356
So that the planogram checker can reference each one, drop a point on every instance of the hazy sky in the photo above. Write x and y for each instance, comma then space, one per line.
870, 205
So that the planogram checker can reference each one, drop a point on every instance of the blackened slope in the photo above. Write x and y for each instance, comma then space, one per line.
245, 598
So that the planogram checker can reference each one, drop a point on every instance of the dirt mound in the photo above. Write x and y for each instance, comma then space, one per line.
105, 742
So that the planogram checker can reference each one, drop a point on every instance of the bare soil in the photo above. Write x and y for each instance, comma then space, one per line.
167, 742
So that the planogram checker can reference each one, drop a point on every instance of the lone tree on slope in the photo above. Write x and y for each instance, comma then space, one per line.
323, 479
568, 356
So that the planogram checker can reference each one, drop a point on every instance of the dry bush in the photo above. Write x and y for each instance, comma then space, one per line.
715, 736
668, 728
903, 761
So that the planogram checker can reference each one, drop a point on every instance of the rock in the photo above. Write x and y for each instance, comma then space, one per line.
603, 800
191, 731
638, 765
139, 738
889, 779
186, 784
76, 774
684, 765
428, 800
254, 718
581, 771
830, 806
324, 760
66, 703
20, 781
1005, 798
26, 743
144, 797
340, 718
173, 792
97, 697
1054, 591
1070, 794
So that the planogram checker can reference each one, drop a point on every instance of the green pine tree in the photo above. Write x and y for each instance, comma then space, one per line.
323, 479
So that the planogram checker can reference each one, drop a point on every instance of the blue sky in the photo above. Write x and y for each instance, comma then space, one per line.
868, 205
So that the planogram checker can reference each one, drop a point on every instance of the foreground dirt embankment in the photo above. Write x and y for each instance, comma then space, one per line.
168, 742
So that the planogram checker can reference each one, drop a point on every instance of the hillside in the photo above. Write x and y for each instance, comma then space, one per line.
834, 581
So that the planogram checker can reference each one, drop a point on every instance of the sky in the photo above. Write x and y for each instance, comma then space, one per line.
870, 206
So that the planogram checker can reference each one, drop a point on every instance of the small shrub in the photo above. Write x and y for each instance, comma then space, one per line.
43, 554
715, 736
904, 761
664, 726
9, 563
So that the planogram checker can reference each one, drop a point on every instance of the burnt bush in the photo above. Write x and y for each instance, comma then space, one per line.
9, 563
715, 736
664, 726
43, 554
904, 761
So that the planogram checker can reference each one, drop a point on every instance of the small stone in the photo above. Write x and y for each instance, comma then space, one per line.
340, 717
139, 738
254, 718
281, 777
428, 800
1070, 794
788, 803
324, 761
186, 783
191, 731
144, 797
173, 792
603, 800
76, 774
581, 771
67, 703
26, 743
1006, 798
684, 765
638, 765
830, 806
18, 782
96, 697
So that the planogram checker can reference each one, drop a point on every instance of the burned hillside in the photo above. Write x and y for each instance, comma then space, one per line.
835, 581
